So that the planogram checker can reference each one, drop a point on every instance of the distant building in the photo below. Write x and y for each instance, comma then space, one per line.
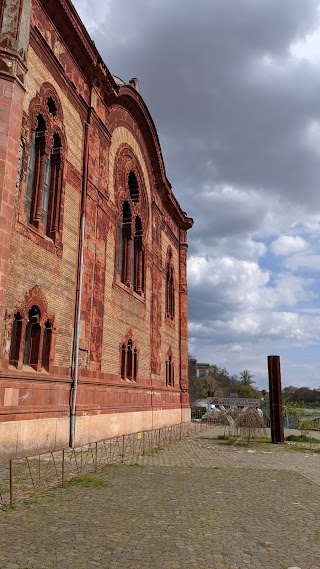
203, 370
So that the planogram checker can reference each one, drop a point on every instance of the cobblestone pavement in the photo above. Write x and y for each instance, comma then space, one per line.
194, 504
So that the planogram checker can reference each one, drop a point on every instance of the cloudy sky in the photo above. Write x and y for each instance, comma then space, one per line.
234, 89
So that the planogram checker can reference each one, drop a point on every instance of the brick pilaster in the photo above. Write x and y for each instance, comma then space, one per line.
183, 299
14, 39
11, 103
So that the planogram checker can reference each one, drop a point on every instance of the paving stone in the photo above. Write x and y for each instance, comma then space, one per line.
163, 510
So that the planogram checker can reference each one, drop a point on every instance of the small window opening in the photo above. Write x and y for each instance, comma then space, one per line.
133, 187
52, 107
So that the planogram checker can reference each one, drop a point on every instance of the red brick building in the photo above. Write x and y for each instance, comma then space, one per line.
93, 292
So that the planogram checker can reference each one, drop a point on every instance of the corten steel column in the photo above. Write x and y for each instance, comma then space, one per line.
276, 415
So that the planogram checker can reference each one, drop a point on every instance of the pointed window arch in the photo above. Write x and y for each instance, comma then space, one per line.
32, 334
129, 361
133, 221
44, 165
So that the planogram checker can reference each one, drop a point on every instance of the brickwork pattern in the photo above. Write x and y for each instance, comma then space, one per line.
110, 311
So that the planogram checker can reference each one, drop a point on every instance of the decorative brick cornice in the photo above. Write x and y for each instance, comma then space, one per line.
72, 31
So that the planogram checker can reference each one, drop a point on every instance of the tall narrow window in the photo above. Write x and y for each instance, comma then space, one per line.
169, 292
125, 245
32, 338
123, 362
135, 364
15, 340
54, 189
138, 281
129, 360
47, 337
30, 175
45, 194
35, 172
169, 372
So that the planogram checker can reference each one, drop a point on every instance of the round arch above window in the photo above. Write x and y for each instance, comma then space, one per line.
42, 196
33, 333
129, 184
133, 218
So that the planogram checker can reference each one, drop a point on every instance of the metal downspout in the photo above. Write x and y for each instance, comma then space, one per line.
80, 276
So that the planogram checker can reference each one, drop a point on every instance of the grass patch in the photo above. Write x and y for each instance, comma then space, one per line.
302, 439
240, 441
87, 481
304, 450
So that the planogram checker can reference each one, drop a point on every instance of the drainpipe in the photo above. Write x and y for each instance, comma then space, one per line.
80, 277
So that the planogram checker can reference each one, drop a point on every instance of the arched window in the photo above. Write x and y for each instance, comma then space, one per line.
32, 334
169, 287
32, 338
36, 161
131, 236
44, 175
169, 372
125, 245
129, 361
15, 340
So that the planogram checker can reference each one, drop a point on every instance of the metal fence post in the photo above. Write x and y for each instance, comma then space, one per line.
11, 482
62, 469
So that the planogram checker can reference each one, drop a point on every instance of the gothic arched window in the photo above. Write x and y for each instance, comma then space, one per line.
129, 361
32, 335
44, 169
131, 239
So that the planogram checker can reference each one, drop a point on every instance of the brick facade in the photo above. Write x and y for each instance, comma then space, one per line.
95, 137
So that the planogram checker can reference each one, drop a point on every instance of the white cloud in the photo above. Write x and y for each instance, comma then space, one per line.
288, 244
240, 136
307, 49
